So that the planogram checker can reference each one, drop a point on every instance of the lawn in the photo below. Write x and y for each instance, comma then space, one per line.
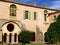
35, 44
26, 44
32, 44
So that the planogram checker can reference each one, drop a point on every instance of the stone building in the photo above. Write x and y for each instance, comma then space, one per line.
15, 16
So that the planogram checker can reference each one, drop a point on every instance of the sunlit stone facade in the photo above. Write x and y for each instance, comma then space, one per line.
16, 16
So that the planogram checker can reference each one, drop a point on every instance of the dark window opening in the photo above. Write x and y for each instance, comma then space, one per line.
26, 14
18, 38
34, 15
15, 37
10, 27
33, 38
54, 17
10, 37
45, 17
13, 14
4, 37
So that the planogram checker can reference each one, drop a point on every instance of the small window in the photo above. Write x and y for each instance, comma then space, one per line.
26, 14
54, 17
13, 10
45, 17
34, 15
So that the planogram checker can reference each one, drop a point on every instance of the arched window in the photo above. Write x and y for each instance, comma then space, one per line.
4, 37
10, 37
13, 10
45, 15
15, 37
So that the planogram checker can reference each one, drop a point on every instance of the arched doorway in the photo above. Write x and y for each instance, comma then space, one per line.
15, 37
10, 28
10, 37
4, 37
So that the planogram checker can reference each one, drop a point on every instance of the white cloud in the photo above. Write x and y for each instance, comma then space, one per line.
55, 4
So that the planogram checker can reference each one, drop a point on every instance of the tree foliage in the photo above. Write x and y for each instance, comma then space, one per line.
25, 36
53, 33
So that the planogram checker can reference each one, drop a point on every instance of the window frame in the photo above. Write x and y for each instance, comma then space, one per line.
35, 15
13, 10
26, 16
45, 15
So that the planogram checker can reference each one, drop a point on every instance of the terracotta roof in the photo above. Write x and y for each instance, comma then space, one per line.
30, 5
54, 13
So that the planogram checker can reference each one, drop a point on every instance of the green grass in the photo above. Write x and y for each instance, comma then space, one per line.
35, 44
26, 44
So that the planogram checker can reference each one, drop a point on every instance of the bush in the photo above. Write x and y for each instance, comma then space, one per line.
25, 36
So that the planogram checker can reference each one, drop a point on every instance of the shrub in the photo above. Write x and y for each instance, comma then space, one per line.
25, 36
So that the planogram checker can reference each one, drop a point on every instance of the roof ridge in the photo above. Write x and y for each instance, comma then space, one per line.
54, 13
29, 5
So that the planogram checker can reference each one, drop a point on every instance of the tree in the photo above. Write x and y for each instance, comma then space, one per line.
58, 26
52, 36
53, 33
58, 18
25, 36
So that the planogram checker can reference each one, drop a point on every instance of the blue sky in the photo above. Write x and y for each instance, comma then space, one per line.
54, 4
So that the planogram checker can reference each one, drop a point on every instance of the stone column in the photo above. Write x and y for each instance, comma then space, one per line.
17, 39
39, 37
12, 39
0, 36
7, 39
35, 37
43, 38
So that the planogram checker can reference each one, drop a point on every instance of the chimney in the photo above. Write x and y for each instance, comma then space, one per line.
34, 4
45, 5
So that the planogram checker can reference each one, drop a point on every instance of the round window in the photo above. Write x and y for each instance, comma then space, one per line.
10, 27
